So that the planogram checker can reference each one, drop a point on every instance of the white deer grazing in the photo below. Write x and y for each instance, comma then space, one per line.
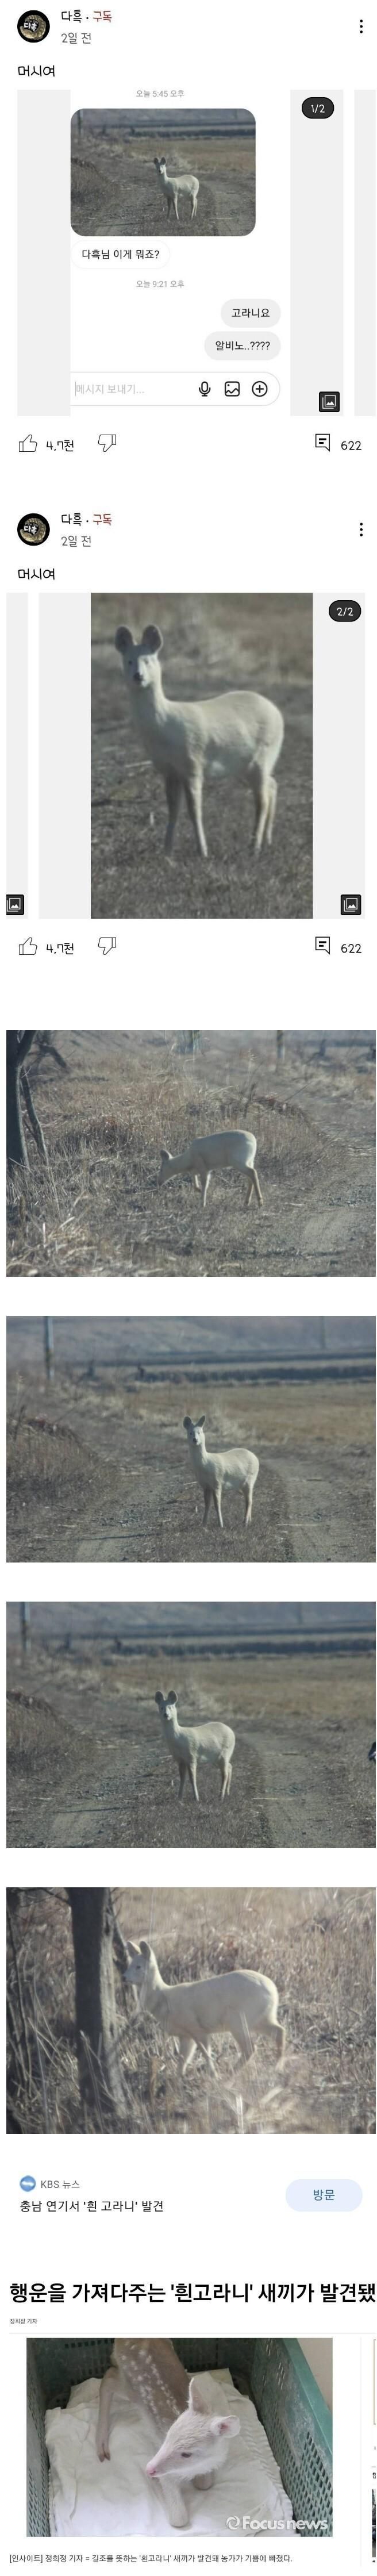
233, 1149
235, 736
174, 180
196, 2445
241, 2001
214, 1468
192, 1744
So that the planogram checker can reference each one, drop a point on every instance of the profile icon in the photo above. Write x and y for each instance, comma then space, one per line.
33, 26
33, 529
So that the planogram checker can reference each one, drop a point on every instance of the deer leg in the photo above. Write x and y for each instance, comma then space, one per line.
192, 1777
263, 806
223, 1778
255, 1186
206, 1189
103, 2425
248, 1505
173, 798
182, 1777
187, 2051
194, 802
280, 2040
217, 1492
207, 1504
271, 808
228, 1778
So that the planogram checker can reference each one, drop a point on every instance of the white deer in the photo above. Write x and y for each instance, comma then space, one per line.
233, 1149
192, 1744
196, 2445
241, 2001
235, 736
190, 2450
174, 180
214, 1468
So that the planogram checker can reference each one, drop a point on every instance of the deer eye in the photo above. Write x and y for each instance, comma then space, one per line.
186, 2455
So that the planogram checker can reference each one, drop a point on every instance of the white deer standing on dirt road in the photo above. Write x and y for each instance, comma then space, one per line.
214, 1468
241, 2001
234, 1148
235, 736
192, 1744
174, 180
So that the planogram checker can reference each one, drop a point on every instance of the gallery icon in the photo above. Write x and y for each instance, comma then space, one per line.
350, 904
329, 402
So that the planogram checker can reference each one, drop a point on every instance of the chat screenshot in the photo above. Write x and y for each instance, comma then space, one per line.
188, 1299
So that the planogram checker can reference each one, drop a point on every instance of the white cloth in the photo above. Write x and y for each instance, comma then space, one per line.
94, 2499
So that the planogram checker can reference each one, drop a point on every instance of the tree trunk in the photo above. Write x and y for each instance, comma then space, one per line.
19, 1042
96, 2016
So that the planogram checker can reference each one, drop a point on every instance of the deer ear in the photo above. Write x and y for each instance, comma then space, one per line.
133, 1949
187, 1421
146, 1949
151, 640
123, 638
196, 2400
165, 1156
227, 2424
172, 1701
201, 1422
159, 1699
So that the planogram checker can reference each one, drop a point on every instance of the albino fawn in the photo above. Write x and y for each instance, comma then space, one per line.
190, 1744
217, 1467
195, 2447
234, 1148
172, 181
235, 736
241, 2001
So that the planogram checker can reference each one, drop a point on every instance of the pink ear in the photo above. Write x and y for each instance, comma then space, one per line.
224, 2423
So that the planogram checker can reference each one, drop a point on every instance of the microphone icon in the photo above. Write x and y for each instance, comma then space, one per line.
204, 388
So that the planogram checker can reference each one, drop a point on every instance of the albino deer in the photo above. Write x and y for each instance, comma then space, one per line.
217, 1467
235, 736
195, 2447
190, 2449
172, 181
190, 1744
241, 2001
233, 1148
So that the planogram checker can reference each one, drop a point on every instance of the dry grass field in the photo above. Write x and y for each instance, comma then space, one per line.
98, 1463
115, 188
117, 1097
211, 642
316, 1943
87, 1764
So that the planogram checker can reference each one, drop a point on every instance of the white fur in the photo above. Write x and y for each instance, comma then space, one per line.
175, 180
241, 2001
214, 1468
190, 1744
232, 1149
235, 736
